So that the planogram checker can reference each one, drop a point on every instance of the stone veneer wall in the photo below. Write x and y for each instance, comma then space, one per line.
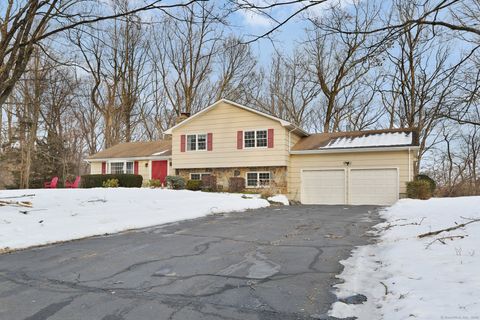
277, 174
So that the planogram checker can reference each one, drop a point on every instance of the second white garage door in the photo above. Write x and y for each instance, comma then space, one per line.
373, 186
355, 186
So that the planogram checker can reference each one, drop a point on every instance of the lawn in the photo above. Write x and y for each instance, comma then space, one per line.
404, 276
66, 214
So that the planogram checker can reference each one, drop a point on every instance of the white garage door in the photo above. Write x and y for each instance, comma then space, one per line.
373, 186
323, 186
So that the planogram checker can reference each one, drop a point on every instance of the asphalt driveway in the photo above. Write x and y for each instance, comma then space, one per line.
273, 263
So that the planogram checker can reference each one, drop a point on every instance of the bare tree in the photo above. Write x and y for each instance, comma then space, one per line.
183, 53
421, 84
115, 59
340, 61
289, 94
24, 24
237, 71
456, 163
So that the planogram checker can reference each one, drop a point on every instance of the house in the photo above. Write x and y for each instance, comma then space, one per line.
231, 140
152, 159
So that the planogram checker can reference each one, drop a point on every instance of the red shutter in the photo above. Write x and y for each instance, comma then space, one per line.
239, 139
209, 141
135, 167
104, 167
182, 143
270, 138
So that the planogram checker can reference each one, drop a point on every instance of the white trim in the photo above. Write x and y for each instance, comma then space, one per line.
200, 173
302, 191
149, 169
375, 168
282, 122
345, 150
196, 141
409, 166
130, 159
255, 138
347, 179
258, 179
124, 169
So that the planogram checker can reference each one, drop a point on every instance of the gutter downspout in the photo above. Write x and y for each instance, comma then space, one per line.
289, 160
290, 140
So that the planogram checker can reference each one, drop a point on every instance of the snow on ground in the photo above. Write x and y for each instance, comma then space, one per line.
422, 278
65, 214
279, 198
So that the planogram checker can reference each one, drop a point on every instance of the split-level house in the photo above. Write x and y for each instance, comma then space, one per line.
227, 140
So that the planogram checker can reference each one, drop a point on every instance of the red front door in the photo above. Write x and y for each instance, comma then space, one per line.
159, 170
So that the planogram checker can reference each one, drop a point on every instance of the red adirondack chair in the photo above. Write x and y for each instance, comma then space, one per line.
52, 184
73, 185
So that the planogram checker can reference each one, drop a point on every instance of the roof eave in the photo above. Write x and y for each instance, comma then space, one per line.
297, 130
129, 158
349, 150
284, 123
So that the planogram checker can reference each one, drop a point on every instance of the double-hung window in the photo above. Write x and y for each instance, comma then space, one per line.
198, 176
121, 167
258, 179
196, 142
255, 139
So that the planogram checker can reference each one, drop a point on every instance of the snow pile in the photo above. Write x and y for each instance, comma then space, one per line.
372, 140
65, 214
406, 277
279, 198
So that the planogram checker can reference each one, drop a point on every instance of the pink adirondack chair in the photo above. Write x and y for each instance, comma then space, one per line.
73, 185
52, 184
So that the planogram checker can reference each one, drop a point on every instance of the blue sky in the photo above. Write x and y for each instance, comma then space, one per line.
250, 25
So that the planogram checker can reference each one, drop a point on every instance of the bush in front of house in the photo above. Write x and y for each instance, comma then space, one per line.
194, 185
124, 180
110, 183
431, 182
209, 183
419, 189
236, 184
155, 183
175, 182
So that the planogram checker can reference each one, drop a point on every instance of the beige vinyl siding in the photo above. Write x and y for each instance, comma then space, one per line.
382, 159
144, 171
294, 138
223, 122
96, 167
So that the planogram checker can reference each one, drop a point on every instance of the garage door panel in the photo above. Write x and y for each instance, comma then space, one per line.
373, 186
323, 186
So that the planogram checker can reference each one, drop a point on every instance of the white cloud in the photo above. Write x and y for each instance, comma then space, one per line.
255, 19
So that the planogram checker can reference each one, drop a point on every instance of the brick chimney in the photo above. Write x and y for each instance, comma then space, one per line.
182, 116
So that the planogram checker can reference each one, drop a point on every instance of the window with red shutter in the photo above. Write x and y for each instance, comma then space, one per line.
239, 139
104, 167
210, 141
270, 138
182, 143
135, 167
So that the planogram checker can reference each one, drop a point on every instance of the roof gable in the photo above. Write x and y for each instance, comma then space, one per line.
135, 150
284, 123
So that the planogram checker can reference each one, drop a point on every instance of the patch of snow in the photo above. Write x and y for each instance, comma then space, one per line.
280, 198
372, 140
159, 153
406, 277
66, 214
